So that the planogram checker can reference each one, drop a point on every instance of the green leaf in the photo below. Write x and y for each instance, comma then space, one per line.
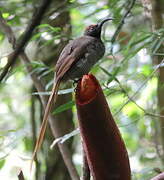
2, 163
135, 51
5, 15
112, 76
64, 107
28, 143
5, 132
54, 29
158, 45
146, 69
45, 73
140, 40
158, 54
105, 71
1, 37
37, 64
36, 36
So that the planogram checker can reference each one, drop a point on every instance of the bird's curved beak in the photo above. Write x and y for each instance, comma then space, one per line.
102, 22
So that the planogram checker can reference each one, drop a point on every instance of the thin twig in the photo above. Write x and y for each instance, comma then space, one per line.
33, 130
32, 117
132, 100
121, 23
53, 124
64, 138
37, 17
138, 90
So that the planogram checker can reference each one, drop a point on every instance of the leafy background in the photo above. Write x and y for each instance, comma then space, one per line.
129, 73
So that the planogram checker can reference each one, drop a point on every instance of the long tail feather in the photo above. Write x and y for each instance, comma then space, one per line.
51, 100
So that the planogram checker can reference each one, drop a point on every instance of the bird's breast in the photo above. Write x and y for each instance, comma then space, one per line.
94, 51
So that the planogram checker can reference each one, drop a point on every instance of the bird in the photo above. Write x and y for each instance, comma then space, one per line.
76, 59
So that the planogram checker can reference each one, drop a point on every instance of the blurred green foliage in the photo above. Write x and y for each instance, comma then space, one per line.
127, 77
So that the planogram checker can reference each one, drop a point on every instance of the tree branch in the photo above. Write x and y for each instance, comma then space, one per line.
37, 17
157, 12
54, 126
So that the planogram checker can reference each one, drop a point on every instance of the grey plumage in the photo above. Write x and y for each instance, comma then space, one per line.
82, 53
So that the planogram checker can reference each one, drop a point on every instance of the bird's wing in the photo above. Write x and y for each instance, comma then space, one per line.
70, 54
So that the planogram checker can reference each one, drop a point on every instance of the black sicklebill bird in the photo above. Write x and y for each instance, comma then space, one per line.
76, 59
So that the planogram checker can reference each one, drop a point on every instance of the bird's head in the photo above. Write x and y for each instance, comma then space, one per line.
95, 29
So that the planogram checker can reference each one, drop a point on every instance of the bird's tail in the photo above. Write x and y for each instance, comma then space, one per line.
42, 131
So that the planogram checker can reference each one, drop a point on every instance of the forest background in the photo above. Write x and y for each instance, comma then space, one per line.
131, 74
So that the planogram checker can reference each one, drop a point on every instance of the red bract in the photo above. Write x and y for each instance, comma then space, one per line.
105, 150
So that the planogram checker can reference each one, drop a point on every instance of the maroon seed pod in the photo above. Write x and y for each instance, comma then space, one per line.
105, 150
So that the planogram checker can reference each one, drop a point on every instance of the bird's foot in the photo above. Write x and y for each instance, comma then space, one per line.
75, 81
